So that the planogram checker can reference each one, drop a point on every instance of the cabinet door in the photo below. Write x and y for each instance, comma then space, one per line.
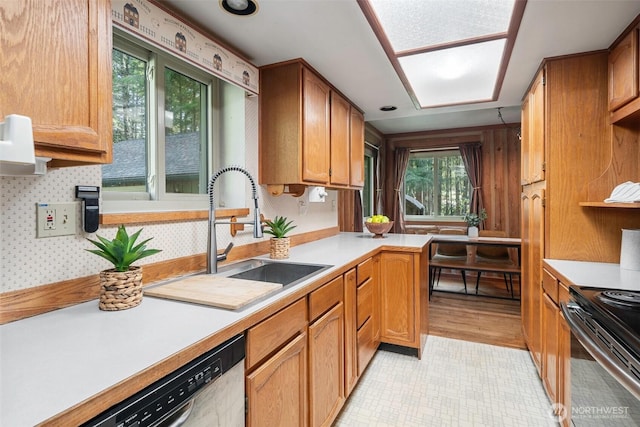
525, 267
537, 129
357, 148
60, 76
623, 71
340, 132
316, 129
350, 331
397, 298
277, 389
525, 118
532, 254
536, 242
326, 367
550, 314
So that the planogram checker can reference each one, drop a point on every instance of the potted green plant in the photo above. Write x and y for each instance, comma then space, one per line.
279, 243
121, 286
473, 221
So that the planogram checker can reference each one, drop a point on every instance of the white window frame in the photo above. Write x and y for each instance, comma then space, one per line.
157, 199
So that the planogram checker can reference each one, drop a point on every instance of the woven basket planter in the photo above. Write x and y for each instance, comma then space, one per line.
120, 290
279, 248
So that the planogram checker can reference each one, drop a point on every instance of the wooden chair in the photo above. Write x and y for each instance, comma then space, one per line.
449, 252
494, 255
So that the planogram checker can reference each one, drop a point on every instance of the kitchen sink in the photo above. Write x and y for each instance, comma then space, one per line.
285, 273
214, 290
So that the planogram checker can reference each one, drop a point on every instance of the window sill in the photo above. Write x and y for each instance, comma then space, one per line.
168, 216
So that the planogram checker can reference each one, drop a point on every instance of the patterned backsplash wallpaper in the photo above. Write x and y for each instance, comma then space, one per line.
26, 261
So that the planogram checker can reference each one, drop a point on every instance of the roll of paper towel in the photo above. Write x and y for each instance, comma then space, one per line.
630, 250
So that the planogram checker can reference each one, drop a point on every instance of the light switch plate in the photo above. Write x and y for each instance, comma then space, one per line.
56, 219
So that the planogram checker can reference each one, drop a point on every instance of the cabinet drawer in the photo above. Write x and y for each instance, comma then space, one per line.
364, 306
367, 345
550, 285
322, 299
272, 333
365, 271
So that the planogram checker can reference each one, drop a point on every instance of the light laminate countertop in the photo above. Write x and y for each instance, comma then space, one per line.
595, 274
54, 361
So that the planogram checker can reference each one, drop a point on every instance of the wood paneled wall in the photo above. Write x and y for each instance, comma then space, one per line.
501, 168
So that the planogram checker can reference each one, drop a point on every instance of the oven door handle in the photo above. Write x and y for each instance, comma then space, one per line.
608, 362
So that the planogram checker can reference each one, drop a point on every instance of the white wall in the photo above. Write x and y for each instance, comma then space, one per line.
27, 262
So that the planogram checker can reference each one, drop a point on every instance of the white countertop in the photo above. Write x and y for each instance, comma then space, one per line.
51, 362
596, 274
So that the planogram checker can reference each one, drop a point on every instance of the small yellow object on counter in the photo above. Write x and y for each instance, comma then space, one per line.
378, 219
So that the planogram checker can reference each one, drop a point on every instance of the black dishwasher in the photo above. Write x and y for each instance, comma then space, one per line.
208, 391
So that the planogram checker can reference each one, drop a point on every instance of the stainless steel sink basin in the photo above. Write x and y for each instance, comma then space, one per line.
286, 273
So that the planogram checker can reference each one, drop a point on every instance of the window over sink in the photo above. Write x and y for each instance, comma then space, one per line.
169, 119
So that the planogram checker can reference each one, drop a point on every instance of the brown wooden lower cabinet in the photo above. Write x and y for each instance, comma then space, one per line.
350, 331
397, 297
556, 345
277, 389
367, 312
326, 354
326, 367
532, 207
550, 315
304, 361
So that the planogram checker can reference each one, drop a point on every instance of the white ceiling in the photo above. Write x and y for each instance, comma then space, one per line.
336, 39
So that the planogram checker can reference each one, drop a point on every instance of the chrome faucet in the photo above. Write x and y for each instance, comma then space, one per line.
212, 250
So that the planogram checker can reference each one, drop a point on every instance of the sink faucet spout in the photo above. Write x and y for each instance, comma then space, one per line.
212, 250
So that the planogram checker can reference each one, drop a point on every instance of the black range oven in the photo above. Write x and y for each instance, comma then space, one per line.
605, 356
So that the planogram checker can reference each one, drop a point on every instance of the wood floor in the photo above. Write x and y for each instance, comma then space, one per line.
476, 318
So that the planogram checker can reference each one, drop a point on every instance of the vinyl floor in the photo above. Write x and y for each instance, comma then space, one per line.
457, 383
475, 370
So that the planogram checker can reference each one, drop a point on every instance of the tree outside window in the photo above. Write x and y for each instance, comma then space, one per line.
156, 154
436, 186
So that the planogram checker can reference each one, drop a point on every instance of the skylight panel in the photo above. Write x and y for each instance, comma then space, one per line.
447, 51
456, 75
415, 24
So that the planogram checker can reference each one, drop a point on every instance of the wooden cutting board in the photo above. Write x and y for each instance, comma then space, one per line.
224, 292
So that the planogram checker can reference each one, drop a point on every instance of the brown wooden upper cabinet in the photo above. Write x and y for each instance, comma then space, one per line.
357, 148
624, 75
309, 133
340, 135
623, 71
64, 85
533, 119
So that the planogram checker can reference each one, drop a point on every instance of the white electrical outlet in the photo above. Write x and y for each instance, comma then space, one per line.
56, 219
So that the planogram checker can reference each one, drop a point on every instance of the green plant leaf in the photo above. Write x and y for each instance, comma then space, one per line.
122, 250
279, 227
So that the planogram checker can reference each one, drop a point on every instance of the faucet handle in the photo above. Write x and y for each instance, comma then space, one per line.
223, 255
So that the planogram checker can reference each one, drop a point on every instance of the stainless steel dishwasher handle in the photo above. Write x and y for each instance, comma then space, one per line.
179, 417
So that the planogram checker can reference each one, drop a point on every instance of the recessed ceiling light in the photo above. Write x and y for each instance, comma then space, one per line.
239, 7
388, 108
